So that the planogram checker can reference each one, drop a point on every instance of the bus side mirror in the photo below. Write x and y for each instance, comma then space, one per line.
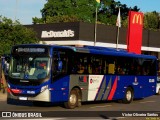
60, 64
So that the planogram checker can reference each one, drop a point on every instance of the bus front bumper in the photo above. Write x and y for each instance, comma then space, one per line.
43, 96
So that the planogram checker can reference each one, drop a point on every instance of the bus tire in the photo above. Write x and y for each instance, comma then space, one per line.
73, 100
79, 103
37, 103
128, 96
8, 101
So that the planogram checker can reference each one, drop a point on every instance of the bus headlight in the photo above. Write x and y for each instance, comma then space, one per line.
44, 88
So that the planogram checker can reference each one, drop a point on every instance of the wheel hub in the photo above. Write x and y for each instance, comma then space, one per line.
73, 99
128, 95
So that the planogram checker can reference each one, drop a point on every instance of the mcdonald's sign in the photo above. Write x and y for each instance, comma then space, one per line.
137, 18
134, 33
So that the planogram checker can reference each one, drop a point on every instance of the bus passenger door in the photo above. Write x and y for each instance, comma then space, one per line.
60, 77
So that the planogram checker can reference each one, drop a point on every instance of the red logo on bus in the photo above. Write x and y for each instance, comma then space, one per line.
83, 79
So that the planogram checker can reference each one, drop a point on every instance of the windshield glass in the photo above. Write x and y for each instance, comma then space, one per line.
23, 67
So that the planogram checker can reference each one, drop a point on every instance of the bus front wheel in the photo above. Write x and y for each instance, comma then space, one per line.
73, 100
128, 96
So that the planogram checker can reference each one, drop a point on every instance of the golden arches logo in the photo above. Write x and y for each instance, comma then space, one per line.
137, 18
98, 1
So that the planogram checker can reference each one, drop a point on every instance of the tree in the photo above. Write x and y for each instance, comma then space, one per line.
37, 20
64, 18
69, 10
81, 10
109, 11
13, 33
151, 20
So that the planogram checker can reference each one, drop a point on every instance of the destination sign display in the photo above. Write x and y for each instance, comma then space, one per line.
27, 50
35, 50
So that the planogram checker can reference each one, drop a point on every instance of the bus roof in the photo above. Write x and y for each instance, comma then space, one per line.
110, 51
97, 50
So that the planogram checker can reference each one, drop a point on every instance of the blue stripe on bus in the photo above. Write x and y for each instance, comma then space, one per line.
107, 85
103, 79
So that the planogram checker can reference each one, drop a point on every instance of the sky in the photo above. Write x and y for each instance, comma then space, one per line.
144, 5
25, 10
22, 10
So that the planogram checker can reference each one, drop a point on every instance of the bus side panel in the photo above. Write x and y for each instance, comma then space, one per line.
111, 87
92, 86
100, 87
81, 82
123, 83
120, 88
142, 86
148, 84
60, 90
95, 87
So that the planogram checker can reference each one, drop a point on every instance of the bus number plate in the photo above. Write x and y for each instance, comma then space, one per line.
22, 98
151, 80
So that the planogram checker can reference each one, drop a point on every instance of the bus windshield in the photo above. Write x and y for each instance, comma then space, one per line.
31, 67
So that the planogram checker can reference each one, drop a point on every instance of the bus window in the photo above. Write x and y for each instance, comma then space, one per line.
111, 69
60, 56
89, 64
27, 68
80, 64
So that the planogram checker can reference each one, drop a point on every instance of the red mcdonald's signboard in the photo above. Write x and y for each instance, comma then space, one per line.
134, 33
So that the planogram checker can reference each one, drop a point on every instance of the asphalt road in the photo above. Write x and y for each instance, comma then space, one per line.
148, 108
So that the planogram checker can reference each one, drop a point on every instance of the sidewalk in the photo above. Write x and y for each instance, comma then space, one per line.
3, 83
3, 96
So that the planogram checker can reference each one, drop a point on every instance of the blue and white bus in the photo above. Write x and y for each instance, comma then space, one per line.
72, 75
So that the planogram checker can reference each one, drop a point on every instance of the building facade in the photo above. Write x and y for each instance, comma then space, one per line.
80, 33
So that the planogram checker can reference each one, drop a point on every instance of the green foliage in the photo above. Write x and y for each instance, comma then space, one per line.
151, 20
109, 11
64, 18
13, 33
37, 20
82, 10
55, 11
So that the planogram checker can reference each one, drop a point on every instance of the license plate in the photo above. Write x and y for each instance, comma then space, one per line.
22, 98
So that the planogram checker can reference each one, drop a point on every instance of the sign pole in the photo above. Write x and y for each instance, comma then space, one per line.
117, 38
118, 24
95, 30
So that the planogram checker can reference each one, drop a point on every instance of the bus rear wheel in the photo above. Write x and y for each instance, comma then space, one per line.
128, 96
73, 100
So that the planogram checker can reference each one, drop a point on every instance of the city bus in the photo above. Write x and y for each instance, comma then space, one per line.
72, 75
